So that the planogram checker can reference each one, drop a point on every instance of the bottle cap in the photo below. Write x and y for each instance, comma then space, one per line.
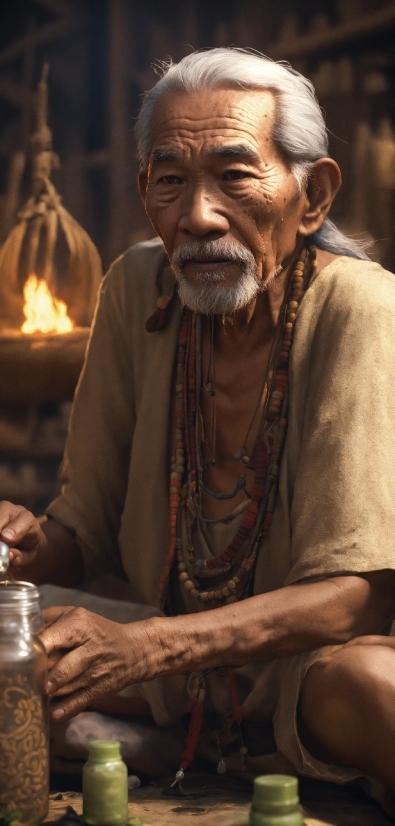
102, 750
274, 791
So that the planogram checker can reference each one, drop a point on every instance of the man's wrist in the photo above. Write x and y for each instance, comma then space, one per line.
177, 645
164, 650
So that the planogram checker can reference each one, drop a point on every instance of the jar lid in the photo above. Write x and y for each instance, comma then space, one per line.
14, 593
103, 750
275, 790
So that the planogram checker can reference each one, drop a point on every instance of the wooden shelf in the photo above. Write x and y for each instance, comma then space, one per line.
44, 34
334, 36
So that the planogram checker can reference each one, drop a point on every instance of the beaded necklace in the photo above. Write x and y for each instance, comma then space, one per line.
236, 562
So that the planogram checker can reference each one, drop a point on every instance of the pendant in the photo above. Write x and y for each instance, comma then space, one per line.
210, 387
241, 454
240, 484
179, 776
243, 756
222, 767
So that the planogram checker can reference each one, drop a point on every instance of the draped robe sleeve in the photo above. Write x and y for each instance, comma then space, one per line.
335, 509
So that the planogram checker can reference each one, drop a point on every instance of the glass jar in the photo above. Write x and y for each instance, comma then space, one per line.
24, 721
105, 785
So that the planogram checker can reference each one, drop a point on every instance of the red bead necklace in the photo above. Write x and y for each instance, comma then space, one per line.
237, 560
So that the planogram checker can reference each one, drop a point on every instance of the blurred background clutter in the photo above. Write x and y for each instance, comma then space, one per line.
72, 73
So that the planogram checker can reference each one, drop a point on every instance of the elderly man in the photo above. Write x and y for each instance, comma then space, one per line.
231, 446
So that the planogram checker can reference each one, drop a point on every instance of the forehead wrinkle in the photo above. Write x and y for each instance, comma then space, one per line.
186, 120
232, 150
183, 126
182, 121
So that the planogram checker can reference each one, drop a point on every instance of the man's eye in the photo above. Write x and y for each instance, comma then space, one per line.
170, 180
236, 174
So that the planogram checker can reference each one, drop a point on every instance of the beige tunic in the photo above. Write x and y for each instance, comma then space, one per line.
335, 510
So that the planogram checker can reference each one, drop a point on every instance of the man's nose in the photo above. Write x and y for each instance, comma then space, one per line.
201, 213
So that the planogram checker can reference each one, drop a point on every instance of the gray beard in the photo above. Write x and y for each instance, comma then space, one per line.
214, 297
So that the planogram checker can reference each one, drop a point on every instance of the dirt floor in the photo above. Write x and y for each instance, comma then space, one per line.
227, 801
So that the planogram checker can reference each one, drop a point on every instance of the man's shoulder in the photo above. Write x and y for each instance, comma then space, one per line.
144, 259
135, 281
139, 263
351, 283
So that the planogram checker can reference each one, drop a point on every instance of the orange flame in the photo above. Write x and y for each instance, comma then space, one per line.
43, 312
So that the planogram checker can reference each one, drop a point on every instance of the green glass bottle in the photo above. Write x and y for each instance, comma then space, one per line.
105, 785
276, 801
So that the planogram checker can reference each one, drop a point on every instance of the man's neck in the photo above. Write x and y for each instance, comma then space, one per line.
256, 324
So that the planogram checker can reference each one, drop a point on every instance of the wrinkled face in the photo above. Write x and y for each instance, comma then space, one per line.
220, 195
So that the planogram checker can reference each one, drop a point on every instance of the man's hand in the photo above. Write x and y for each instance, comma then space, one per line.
21, 531
100, 657
48, 553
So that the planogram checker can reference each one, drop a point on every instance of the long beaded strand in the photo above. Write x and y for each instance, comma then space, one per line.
178, 458
266, 477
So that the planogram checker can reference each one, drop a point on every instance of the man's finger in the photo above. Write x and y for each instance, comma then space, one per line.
78, 669
68, 673
16, 527
84, 680
8, 511
20, 558
72, 705
55, 612
79, 699
67, 631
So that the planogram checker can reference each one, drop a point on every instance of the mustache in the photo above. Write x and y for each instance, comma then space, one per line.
209, 251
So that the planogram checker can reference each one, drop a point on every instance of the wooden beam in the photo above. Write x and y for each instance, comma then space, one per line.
42, 35
27, 82
14, 93
59, 7
7, 145
335, 35
119, 216
11, 196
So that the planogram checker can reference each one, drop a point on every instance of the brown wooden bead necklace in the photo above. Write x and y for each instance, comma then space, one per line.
185, 476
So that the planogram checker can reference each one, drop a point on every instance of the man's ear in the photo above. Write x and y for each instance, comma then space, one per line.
323, 184
142, 181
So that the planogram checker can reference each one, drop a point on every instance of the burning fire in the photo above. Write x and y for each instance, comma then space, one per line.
43, 312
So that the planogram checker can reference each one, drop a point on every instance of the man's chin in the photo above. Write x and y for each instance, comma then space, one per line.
218, 299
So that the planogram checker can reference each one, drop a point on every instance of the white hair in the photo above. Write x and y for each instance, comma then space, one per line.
299, 128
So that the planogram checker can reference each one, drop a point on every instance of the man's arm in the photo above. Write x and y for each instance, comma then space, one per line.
105, 656
287, 621
40, 553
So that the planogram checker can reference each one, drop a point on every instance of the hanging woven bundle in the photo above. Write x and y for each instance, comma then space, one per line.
47, 241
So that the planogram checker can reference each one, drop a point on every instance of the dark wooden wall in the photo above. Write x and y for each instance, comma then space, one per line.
101, 54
